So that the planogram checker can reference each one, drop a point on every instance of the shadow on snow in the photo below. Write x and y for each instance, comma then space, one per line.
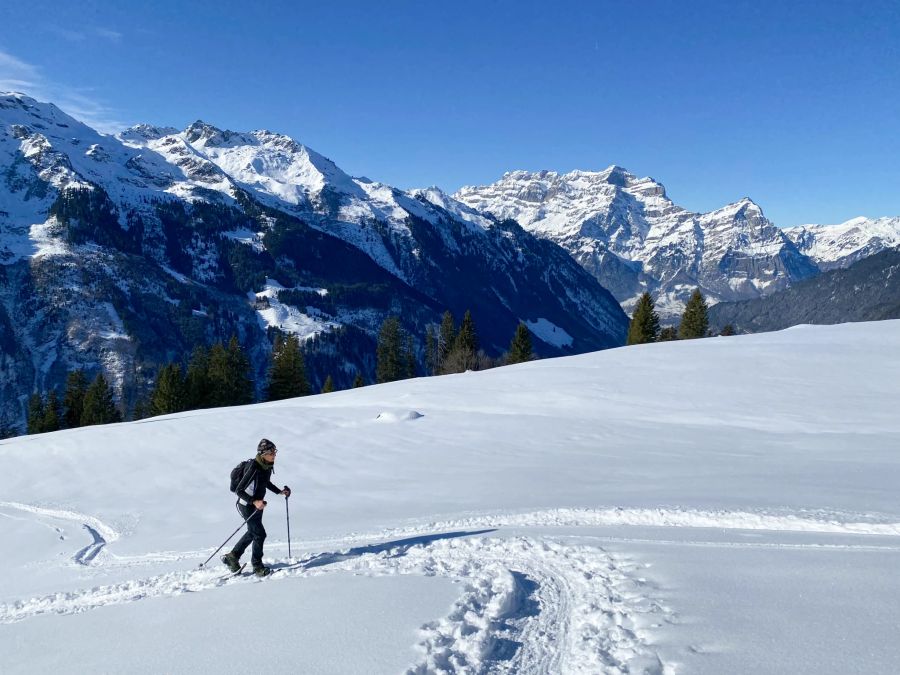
396, 549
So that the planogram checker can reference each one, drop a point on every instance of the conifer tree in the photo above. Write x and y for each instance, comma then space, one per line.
695, 320
196, 382
52, 413
228, 375
409, 357
668, 334
464, 354
99, 406
390, 365
287, 372
727, 330
140, 410
169, 393
73, 399
358, 381
644, 325
35, 414
446, 337
218, 377
239, 365
328, 387
520, 349
431, 353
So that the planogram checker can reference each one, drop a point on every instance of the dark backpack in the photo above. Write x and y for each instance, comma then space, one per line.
237, 473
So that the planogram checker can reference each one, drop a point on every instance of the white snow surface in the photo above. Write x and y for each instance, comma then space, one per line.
271, 312
726, 505
549, 332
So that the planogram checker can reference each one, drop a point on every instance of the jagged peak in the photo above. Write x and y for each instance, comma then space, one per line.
743, 207
207, 135
431, 190
616, 175
145, 132
746, 204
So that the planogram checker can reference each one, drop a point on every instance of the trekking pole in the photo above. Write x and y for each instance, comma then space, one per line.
287, 512
230, 536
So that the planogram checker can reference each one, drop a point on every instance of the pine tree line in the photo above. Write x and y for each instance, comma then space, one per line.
221, 375
645, 327
82, 405
451, 350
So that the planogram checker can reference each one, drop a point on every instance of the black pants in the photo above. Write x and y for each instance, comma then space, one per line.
255, 533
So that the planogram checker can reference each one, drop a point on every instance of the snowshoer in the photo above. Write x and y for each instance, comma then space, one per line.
250, 491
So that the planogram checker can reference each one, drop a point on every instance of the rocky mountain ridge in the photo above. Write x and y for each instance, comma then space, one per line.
632, 237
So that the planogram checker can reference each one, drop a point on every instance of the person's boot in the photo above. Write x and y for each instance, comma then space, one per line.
261, 570
231, 560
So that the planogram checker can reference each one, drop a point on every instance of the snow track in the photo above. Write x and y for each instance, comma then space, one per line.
101, 534
534, 606
531, 600
815, 522
528, 605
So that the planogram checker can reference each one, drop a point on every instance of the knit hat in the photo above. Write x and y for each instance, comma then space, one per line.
265, 445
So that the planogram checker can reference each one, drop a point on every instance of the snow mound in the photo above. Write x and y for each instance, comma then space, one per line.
398, 416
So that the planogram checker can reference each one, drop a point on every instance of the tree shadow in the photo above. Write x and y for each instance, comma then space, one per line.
397, 548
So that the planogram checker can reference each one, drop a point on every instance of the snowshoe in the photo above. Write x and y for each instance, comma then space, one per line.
231, 562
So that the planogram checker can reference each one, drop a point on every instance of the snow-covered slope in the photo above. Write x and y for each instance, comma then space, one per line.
841, 245
667, 508
633, 238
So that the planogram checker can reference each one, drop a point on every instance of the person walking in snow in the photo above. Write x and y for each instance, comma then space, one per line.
250, 491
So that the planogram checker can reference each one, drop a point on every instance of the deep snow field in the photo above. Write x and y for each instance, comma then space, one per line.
729, 505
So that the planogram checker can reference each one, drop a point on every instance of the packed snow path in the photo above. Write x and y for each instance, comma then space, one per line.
538, 602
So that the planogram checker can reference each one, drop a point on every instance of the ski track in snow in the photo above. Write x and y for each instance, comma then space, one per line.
528, 603
101, 533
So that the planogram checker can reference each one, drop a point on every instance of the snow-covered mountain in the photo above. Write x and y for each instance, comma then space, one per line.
633, 238
672, 508
841, 245
867, 290
124, 252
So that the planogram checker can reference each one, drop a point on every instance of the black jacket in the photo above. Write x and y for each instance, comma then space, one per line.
257, 477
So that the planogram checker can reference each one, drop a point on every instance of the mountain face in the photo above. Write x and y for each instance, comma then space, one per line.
125, 252
868, 290
633, 238
842, 245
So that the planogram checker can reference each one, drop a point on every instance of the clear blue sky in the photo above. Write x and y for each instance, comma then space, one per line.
795, 104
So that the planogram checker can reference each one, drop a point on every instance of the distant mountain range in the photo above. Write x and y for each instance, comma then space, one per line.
633, 238
868, 290
120, 253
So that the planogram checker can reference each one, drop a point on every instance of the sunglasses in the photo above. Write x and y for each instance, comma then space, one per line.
271, 451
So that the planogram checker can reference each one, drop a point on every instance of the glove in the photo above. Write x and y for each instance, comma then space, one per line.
286, 491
